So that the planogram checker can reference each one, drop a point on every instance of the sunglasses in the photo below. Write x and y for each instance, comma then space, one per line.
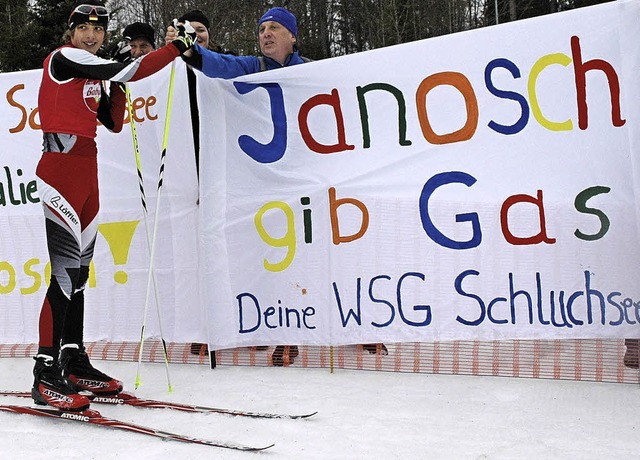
91, 9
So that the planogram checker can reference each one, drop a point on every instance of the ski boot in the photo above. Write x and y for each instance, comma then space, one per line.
79, 371
51, 388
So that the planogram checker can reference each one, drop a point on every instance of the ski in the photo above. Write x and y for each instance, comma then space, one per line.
96, 418
130, 399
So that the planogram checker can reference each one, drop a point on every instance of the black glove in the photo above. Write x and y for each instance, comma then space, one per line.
122, 52
186, 36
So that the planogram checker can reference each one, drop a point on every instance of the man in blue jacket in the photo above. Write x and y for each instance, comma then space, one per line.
277, 36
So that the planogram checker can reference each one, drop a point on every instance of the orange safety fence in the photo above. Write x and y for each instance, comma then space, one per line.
596, 360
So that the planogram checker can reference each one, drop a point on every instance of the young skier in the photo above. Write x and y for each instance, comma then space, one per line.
73, 97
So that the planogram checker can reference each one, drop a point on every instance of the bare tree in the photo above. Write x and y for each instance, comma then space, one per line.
326, 27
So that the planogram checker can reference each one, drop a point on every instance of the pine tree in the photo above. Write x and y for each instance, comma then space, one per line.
14, 49
31, 31
49, 22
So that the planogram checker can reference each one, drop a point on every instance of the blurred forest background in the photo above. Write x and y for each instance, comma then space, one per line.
327, 28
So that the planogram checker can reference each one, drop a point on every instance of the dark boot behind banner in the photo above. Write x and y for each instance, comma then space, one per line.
632, 355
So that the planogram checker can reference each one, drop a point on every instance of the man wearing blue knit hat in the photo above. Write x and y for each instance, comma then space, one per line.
277, 34
277, 37
278, 40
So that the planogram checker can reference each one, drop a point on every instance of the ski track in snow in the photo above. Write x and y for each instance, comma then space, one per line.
361, 414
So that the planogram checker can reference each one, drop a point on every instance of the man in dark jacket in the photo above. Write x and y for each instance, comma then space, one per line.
141, 38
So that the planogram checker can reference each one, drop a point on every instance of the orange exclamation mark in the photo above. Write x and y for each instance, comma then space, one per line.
119, 236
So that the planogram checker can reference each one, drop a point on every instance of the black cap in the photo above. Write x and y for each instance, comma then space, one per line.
91, 11
140, 30
195, 15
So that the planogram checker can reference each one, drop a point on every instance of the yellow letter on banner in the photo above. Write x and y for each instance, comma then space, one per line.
536, 70
287, 240
11, 283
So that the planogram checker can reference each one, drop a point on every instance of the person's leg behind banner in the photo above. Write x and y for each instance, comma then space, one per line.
632, 353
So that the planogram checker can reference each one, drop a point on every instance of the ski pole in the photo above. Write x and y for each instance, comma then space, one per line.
151, 277
136, 150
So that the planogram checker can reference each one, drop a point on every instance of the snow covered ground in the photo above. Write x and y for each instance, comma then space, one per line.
361, 414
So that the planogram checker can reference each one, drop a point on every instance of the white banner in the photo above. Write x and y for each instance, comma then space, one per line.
480, 185
117, 287
475, 186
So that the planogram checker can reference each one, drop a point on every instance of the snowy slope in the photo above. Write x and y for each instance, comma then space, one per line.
373, 415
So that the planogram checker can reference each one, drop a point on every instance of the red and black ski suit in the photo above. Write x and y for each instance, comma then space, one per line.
71, 100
